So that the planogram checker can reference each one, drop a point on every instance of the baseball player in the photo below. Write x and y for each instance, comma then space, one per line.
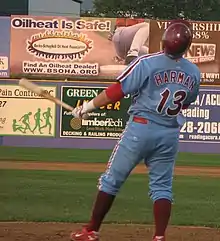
162, 85
130, 39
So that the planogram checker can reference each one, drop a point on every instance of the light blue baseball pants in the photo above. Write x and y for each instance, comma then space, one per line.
155, 144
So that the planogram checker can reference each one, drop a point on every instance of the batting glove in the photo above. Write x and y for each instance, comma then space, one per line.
79, 112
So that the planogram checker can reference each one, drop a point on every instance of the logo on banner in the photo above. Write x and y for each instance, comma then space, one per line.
201, 52
76, 123
56, 45
42, 122
3, 63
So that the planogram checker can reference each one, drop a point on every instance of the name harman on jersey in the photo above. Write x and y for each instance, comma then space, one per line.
174, 77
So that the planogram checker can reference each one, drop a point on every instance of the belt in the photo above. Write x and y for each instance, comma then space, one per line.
139, 119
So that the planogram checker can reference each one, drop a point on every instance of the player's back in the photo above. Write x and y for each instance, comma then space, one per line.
170, 85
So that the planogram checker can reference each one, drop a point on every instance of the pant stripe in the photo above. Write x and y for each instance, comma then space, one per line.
111, 159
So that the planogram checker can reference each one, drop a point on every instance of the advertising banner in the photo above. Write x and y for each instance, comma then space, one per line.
203, 125
80, 48
23, 113
106, 123
204, 51
4, 47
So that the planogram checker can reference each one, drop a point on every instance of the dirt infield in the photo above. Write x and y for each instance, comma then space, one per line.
100, 167
60, 231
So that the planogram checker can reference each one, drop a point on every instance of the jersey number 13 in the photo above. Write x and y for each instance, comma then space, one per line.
177, 100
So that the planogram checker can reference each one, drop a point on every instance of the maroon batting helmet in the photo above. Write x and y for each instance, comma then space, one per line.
177, 38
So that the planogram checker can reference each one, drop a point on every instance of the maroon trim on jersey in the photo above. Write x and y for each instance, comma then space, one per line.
133, 65
114, 92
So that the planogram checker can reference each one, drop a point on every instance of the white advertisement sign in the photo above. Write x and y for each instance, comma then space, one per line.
22, 112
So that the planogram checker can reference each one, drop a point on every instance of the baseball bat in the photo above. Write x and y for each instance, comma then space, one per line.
43, 93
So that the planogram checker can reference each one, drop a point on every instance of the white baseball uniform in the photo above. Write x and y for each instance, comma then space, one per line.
131, 39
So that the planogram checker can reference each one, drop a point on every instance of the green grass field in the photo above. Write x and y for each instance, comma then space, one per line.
68, 196
80, 155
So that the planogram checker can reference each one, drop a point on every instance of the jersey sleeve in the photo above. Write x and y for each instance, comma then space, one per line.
134, 76
195, 92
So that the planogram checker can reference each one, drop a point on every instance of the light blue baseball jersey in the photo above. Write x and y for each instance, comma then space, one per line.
160, 86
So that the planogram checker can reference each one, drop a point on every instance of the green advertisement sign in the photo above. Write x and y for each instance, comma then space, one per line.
108, 122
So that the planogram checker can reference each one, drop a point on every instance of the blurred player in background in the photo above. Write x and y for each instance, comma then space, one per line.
162, 85
130, 38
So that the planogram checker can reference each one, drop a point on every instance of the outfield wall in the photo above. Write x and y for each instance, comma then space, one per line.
29, 121
75, 58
